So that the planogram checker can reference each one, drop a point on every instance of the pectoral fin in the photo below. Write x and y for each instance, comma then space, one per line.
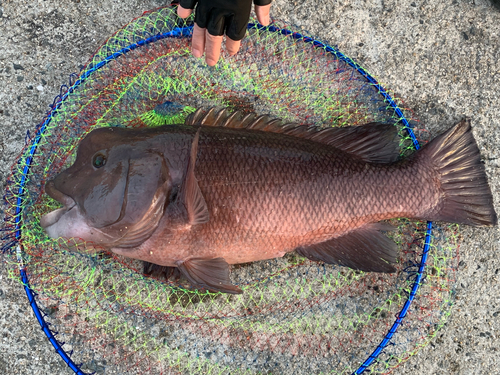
212, 274
364, 249
189, 207
195, 203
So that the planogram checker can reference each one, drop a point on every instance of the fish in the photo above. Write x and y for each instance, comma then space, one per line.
229, 188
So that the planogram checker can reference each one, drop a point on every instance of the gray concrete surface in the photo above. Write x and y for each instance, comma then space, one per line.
442, 58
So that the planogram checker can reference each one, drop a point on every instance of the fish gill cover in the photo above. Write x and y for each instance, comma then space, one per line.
294, 316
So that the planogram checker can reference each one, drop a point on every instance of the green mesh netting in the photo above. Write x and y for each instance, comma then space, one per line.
294, 316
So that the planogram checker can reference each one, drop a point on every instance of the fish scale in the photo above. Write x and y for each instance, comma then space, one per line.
278, 204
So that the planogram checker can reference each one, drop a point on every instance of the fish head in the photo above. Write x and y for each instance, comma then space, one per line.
113, 194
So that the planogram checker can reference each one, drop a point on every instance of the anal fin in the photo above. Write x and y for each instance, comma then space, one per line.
212, 274
365, 249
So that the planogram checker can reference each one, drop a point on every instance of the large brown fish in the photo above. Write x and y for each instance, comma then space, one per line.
225, 189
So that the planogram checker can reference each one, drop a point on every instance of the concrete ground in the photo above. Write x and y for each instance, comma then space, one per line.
442, 58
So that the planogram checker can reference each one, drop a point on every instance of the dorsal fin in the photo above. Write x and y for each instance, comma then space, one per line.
372, 142
221, 117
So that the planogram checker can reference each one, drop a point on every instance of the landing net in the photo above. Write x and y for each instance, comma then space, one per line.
295, 316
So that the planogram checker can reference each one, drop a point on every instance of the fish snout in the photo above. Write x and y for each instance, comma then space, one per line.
53, 192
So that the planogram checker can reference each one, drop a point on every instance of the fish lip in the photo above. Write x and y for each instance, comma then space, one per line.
53, 217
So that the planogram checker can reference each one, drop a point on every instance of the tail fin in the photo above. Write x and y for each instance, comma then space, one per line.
467, 196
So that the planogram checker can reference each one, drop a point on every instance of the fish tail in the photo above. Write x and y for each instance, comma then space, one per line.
466, 195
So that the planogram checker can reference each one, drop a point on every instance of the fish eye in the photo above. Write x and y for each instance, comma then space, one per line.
99, 160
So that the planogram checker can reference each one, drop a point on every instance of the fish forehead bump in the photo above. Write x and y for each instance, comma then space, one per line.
136, 139
102, 138
104, 135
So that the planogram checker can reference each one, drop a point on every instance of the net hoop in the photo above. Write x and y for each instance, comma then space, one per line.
185, 32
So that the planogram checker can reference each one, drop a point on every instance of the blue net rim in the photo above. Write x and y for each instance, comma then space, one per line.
180, 32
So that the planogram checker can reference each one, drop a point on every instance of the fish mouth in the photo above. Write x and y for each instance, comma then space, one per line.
53, 217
